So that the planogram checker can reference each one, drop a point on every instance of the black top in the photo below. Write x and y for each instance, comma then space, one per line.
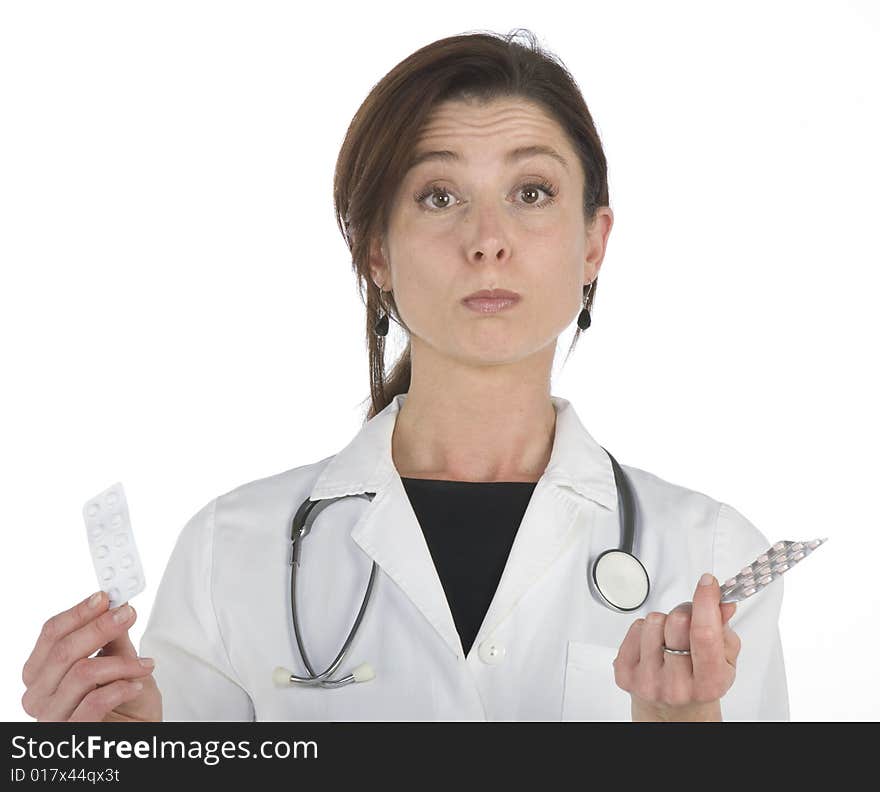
469, 527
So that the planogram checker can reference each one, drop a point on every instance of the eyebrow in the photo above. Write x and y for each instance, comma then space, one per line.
512, 156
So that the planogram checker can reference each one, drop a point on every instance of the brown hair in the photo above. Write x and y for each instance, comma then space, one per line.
382, 135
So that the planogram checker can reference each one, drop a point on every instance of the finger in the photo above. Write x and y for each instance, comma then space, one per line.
100, 701
677, 633
84, 676
707, 644
628, 654
120, 646
57, 627
627, 660
78, 644
651, 644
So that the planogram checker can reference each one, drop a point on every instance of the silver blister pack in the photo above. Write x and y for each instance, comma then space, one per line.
768, 566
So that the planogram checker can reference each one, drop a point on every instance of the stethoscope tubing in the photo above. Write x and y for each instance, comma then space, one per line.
302, 522
627, 505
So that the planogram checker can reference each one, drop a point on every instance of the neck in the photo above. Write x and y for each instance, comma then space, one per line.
462, 422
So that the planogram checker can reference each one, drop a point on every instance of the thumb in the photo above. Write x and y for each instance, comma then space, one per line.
706, 615
121, 646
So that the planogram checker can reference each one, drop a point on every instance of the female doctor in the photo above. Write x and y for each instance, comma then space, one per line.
481, 502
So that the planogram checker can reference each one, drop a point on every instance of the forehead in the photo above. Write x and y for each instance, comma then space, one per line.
507, 130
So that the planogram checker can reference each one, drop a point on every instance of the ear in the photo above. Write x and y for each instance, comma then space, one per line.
597, 242
378, 265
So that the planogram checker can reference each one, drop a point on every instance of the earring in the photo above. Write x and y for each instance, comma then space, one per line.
584, 316
381, 326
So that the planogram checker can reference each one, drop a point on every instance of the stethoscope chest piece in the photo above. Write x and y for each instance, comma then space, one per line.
621, 580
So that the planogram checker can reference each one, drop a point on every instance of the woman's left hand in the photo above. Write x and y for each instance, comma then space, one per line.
667, 687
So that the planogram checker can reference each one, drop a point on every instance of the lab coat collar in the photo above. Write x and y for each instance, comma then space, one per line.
388, 531
577, 461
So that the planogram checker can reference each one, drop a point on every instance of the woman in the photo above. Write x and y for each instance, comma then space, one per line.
473, 166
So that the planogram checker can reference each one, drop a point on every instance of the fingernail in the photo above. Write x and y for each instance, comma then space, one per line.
146, 661
95, 599
122, 613
707, 579
138, 685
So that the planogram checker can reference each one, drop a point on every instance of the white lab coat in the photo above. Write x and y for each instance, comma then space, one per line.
221, 619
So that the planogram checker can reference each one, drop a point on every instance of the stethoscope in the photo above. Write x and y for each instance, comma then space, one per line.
618, 576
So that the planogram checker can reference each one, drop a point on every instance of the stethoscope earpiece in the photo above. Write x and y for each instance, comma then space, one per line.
284, 677
281, 676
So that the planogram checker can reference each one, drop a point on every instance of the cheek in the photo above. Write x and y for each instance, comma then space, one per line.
562, 290
559, 253
420, 289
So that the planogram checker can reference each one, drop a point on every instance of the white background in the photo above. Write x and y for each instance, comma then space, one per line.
178, 310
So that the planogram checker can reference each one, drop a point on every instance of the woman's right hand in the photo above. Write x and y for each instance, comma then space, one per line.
65, 684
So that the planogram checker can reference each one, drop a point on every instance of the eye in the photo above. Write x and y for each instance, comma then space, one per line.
433, 191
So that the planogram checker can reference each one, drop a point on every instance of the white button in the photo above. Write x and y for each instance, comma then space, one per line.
491, 652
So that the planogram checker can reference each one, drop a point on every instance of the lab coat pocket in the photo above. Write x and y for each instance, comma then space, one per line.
590, 692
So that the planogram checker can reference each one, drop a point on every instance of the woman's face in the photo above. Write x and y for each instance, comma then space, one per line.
486, 221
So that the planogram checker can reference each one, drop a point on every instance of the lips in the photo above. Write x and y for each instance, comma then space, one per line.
491, 301
492, 294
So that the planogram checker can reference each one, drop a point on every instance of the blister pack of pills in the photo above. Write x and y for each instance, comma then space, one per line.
768, 566
111, 543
